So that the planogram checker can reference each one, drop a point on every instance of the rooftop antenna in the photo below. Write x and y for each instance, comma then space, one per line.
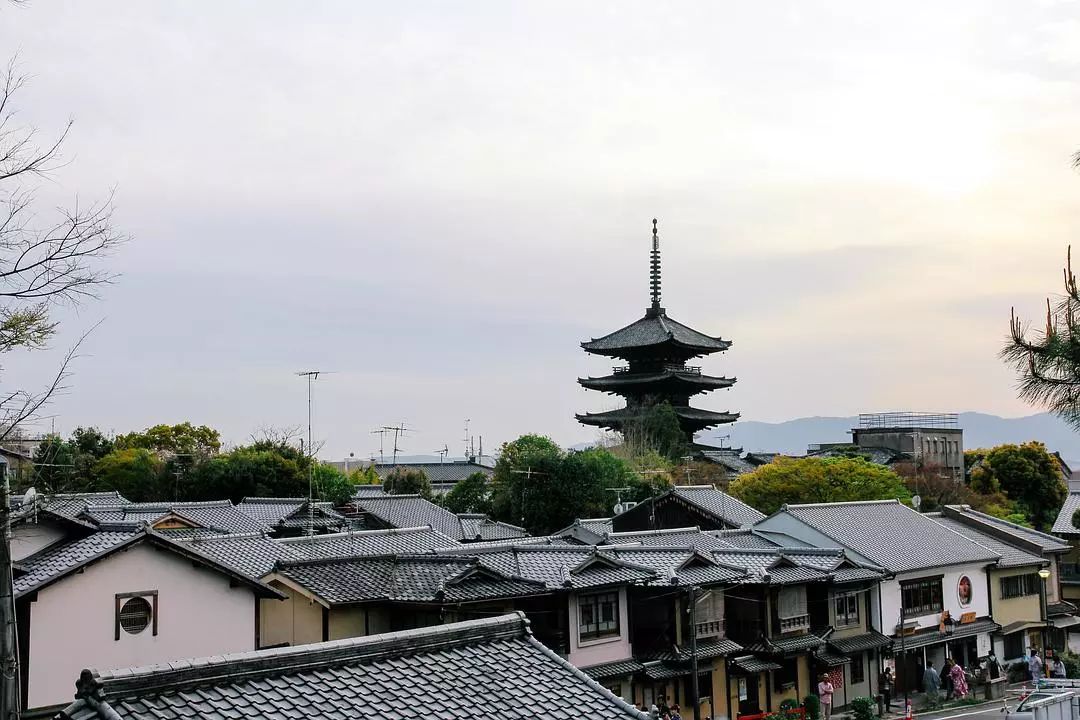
381, 432
654, 268
398, 431
442, 454
528, 472
722, 438
465, 439
618, 498
312, 376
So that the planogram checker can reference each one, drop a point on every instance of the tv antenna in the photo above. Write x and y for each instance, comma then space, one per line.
443, 453
312, 376
465, 439
398, 431
528, 472
722, 438
619, 507
381, 432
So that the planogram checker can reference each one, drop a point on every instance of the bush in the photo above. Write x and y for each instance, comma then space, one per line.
1017, 672
812, 703
863, 708
1072, 663
789, 709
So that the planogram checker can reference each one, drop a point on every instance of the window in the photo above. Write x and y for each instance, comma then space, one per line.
921, 597
598, 616
847, 609
786, 676
858, 668
1020, 585
1014, 645
135, 612
791, 609
704, 684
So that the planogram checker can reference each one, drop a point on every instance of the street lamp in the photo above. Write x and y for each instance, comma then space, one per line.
1044, 575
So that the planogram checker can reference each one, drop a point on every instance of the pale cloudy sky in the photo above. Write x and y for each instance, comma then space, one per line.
439, 201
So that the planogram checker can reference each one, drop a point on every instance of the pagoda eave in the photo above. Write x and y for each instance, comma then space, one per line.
667, 348
690, 419
639, 382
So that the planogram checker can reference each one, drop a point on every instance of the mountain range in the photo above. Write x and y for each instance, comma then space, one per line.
791, 437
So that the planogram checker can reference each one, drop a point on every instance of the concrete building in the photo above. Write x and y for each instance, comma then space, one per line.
934, 439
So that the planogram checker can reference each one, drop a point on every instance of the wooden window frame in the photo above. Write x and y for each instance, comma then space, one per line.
121, 597
931, 603
595, 600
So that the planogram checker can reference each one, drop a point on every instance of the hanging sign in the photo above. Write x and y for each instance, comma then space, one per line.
964, 591
742, 689
983, 641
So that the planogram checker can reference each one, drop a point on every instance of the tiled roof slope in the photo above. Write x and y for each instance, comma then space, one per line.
484, 528
1011, 556
366, 490
1003, 528
399, 511
291, 512
493, 667
219, 516
747, 538
438, 473
369, 542
1063, 525
71, 505
404, 578
720, 504
891, 535
678, 537
253, 554
654, 329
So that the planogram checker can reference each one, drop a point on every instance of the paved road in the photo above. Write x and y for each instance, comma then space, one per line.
983, 712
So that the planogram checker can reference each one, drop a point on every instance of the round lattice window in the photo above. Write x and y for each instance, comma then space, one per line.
135, 615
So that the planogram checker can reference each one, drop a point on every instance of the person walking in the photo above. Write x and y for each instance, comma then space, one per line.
959, 680
1035, 666
946, 678
1058, 670
887, 688
931, 682
825, 692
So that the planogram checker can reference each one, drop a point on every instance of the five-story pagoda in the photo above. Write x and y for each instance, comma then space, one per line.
656, 349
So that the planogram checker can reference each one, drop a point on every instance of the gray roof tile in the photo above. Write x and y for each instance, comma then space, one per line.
655, 329
217, 516
680, 537
1011, 556
718, 503
56, 561
438, 473
891, 535
253, 553
1048, 543
1064, 523
357, 543
450, 672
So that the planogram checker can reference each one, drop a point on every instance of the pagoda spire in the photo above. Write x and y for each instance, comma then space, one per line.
654, 268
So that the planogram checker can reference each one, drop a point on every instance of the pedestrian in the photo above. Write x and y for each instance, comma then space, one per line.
1058, 670
664, 709
959, 680
1035, 666
825, 692
887, 688
675, 714
931, 682
993, 667
946, 678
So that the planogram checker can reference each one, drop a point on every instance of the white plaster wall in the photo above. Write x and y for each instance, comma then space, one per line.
593, 652
890, 596
28, 538
296, 620
72, 623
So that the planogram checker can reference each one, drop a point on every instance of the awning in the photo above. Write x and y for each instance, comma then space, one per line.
620, 668
787, 645
664, 671
933, 636
871, 640
1021, 625
1065, 621
750, 664
832, 660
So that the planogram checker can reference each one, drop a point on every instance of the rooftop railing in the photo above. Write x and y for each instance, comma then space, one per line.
871, 421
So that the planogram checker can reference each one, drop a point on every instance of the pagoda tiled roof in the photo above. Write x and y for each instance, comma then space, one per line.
668, 376
656, 328
688, 415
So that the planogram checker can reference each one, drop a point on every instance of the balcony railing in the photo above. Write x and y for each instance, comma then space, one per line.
710, 628
671, 367
791, 624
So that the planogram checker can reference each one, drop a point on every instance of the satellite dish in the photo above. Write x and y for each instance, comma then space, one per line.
916, 501
29, 496
618, 508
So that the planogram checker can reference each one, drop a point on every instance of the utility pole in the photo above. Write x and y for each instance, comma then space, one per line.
9, 659
696, 698
311, 376
528, 472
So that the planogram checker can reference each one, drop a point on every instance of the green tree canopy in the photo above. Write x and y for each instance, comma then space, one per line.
248, 471
656, 428
68, 465
1028, 475
332, 484
407, 481
183, 439
817, 480
365, 476
542, 488
471, 495
136, 473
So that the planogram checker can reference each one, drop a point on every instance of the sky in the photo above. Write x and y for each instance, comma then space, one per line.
435, 203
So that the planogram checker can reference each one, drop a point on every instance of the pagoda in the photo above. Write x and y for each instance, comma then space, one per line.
656, 349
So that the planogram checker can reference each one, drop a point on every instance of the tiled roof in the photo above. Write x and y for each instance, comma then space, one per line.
410, 511
437, 473
1011, 556
404, 578
369, 542
1047, 543
679, 537
891, 535
870, 640
776, 538
932, 636
253, 554
619, 668
787, 644
493, 666
1060, 608
729, 460
832, 659
753, 665
559, 567
662, 670
56, 562
550, 540
718, 503
71, 505
747, 538
706, 650
600, 526
482, 527
1063, 525
655, 329
219, 516
366, 490
291, 512
676, 566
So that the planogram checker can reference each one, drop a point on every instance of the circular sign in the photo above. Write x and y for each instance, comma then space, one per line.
964, 590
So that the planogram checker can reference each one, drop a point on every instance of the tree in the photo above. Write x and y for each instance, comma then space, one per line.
1028, 475
471, 495
45, 263
365, 476
255, 470
332, 485
184, 439
1048, 361
69, 465
407, 481
135, 473
524, 465
656, 428
817, 480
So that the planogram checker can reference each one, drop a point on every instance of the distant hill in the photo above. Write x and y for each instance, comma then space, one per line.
980, 430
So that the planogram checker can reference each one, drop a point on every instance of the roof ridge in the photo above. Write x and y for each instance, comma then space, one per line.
893, 501
183, 674
270, 500
1003, 523
355, 533
392, 557
226, 536
668, 531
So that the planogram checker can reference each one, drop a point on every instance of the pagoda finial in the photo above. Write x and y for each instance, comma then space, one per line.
654, 267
